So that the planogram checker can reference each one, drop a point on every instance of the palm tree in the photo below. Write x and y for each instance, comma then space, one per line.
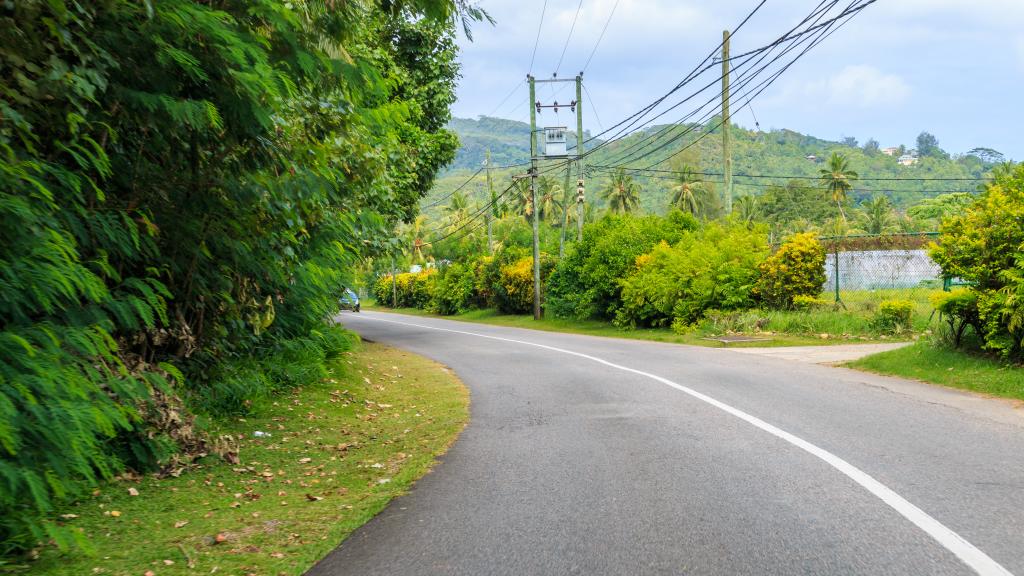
548, 203
837, 179
685, 192
414, 237
622, 193
521, 202
746, 208
457, 205
877, 215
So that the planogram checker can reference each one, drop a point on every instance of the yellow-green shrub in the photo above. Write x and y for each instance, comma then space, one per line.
413, 289
713, 268
514, 292
803, 302
893, 316
797, 269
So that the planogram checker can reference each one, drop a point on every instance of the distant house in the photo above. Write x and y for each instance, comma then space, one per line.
812, 157
891, 151
907, 160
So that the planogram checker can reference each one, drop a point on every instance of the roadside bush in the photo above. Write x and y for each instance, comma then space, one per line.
382, 290
586, 282
985, 247
488, 274
959, 308
715, 268
797, 269
453, 290
514, 293
802, 302
893, 316
413, 288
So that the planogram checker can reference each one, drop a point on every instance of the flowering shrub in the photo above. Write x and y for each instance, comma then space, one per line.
714, 268
796, 269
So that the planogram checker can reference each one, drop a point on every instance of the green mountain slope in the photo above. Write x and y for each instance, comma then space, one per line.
776, 158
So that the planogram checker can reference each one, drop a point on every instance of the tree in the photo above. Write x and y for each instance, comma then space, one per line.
746, 208
878, 215
871, 147
935, 210
987, 155
686, 190
550, 205
622, 193
184, 188
837, 180
928, 146
850, 141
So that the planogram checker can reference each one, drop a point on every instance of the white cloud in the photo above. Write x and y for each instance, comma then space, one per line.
858, 86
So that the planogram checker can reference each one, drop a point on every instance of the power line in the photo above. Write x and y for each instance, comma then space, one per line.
505, 99
540, 25
746, 57
482, 211
569, 37
593, 108
797, 177
826, 29
661, 176
637, 116
820, 33
453, 192
601, 37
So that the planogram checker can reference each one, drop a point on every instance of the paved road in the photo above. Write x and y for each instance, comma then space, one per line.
831, 354
604, 456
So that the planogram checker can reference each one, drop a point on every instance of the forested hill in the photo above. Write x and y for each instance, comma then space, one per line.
776, 157
508, 140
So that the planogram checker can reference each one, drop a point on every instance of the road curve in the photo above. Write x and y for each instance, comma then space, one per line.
593, 455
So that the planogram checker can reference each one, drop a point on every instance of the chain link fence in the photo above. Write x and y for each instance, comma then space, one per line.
871, 268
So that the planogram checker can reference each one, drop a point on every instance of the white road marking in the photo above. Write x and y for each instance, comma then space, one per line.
960, 547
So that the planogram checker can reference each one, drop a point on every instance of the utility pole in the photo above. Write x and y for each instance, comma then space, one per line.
394, 284
533, 199
726, 148
579, 156
565, 208
492, 209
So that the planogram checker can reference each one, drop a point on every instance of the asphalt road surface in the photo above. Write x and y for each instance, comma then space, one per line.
593, 455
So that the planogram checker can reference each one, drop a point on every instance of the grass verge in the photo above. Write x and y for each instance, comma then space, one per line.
813, 323
948, 367
336, 453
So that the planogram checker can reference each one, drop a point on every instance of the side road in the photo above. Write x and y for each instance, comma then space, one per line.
603, 456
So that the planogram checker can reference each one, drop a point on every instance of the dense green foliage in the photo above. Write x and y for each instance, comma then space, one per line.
185, 187
715, 267
985, 247
796, 269
586, 282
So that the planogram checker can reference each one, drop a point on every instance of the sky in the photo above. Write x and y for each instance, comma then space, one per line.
954, 68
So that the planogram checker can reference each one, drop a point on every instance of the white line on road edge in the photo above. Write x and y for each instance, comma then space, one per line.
964, 550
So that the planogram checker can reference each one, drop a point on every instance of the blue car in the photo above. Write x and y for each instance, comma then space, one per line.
349, 300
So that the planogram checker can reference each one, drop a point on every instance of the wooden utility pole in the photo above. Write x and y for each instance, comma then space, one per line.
492, 209
533, 198
579, 157
394, 284
726, 148
565, 208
